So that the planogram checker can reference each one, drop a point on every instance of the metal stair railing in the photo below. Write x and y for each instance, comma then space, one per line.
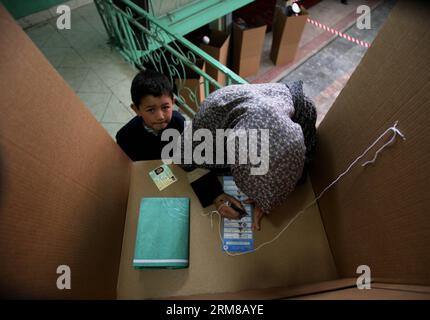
146, 43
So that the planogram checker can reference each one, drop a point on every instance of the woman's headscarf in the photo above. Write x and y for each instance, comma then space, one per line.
269, 106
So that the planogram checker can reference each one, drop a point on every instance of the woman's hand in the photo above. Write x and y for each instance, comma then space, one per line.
258, 215
225, 210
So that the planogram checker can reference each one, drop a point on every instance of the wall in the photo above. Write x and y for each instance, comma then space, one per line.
63, 181
377, 215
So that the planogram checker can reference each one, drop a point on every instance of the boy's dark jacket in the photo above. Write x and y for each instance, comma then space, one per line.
139, 144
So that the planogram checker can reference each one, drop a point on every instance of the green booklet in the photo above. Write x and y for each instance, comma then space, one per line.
162, 237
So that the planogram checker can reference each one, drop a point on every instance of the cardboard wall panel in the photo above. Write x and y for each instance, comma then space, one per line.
247, 48
63, 181
287, 32
218, 49
378, 215
277, 292
372, 294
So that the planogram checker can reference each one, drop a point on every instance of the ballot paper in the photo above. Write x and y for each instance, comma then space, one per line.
237, 234
162, 176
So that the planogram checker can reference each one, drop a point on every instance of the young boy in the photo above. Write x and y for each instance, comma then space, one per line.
152, 96
140, 138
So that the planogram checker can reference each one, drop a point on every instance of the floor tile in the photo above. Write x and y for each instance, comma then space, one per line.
38, 18
101, 55
114, 73
85, 41
75, 20
57, 40
93, 84
96, 102
91, 15
55, 55
87, 11
117, 112
23, 23
73, 76
112, 127
73, 59
40, 34
122, 91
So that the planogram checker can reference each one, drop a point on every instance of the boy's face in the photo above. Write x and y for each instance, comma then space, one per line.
155, 111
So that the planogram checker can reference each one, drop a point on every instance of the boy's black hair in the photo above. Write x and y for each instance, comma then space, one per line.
149, 82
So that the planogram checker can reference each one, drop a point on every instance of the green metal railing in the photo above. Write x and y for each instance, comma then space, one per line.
145, 42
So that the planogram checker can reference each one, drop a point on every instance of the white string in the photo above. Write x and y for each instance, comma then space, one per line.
210, 213
219, 223
391, 141
396, 131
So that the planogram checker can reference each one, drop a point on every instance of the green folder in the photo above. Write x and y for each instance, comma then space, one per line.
162, 238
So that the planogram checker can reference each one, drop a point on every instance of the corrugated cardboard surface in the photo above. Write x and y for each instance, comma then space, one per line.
340, 289
379, 215
301, 255
363, 294
247, 49
287, 32
276, 293
403, 287
218, 49
63, 181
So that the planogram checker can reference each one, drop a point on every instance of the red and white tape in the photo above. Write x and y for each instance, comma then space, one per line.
338, 33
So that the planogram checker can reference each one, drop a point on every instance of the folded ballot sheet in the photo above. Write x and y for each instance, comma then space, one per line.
162, 238
237, 234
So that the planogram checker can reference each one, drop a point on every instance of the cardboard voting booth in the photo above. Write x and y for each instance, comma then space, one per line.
287, 32
247, 48
70, 197
218, 47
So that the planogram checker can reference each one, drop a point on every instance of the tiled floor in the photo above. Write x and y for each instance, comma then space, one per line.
98, 74
101, 78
